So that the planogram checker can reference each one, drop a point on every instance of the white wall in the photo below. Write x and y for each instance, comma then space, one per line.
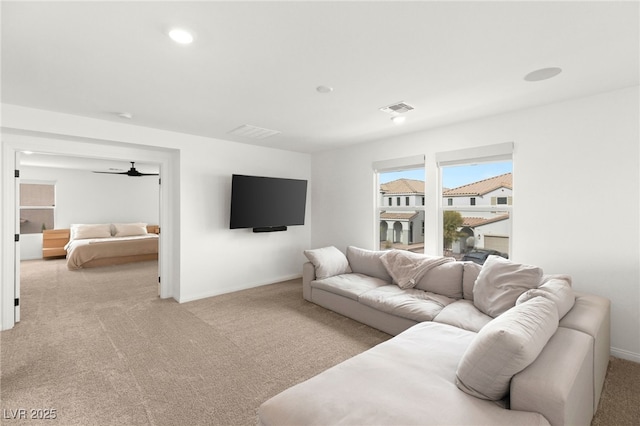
586, 149
85, 197
211, 259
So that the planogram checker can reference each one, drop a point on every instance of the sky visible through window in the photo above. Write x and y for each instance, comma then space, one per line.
455, 176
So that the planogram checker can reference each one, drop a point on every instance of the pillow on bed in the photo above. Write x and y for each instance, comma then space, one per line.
81, 231
129, 229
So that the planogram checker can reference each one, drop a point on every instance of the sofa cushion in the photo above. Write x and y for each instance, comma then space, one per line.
463, 314
445, 279
417, 305
506, 346
367, 262
469, 277
557, 290
407, 380
349, 285
407, 268
501, 282
328, 261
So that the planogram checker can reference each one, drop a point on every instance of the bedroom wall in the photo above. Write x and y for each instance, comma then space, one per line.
212, 259
85, 197
576, 195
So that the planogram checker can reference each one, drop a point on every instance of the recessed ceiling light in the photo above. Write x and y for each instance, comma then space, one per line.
125, 115
543, 74
398, 119
181, 36
324, 89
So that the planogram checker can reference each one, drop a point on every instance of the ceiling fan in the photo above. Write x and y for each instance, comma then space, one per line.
131, 172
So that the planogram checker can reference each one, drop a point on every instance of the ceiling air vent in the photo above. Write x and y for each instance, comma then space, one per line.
253, 132
397, 108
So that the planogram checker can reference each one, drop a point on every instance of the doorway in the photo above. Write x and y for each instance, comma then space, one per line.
168, 159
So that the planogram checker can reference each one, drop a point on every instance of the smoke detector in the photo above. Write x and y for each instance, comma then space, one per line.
397, 108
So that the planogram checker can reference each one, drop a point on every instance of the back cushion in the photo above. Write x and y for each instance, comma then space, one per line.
506, 346
501, 282
559, 291
445, 279
469, 277
367, 262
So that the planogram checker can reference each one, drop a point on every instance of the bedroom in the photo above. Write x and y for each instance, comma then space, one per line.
575, 159
82, 196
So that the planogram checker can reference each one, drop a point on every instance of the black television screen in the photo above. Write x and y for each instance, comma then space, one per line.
266, 203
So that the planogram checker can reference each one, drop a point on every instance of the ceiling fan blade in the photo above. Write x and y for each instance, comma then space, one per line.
131, 172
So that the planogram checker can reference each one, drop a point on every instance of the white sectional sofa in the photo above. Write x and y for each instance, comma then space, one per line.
498, 344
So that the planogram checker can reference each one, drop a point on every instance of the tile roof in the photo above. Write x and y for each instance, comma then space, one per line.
472, 222
398, 215
481, 187
403, 186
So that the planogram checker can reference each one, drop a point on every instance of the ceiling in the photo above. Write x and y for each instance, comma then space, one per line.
259, 63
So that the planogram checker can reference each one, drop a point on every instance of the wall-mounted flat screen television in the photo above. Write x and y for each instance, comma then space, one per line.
267, 204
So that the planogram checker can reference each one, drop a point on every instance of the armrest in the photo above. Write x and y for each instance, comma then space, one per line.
591, 314
308, 275
559, 383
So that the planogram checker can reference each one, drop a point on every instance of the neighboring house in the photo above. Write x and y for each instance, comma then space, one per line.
405, 226
489, 229
488, 192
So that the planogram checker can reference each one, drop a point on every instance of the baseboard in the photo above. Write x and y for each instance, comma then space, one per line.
621, 353
219, 291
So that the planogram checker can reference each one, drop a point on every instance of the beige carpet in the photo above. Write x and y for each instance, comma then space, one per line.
99, 347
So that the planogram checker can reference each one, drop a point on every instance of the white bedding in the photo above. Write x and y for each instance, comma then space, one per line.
72, 244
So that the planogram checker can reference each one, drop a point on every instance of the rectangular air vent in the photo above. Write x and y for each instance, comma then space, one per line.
253, 132
397, 108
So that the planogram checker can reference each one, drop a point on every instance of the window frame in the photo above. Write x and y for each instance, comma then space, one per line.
38, 207
483, 154
388, 166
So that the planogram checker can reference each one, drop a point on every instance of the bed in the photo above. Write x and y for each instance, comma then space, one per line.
94, 245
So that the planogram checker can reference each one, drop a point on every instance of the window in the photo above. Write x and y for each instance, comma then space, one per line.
400, 226
37, 203
476, 199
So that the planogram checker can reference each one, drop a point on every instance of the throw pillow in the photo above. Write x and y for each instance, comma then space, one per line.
328, 261
506, 346
501, 282
367, 262
557, 290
